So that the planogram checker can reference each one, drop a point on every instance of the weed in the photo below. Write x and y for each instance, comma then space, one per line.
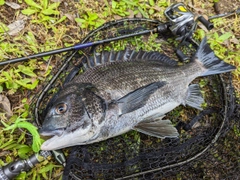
22, 123
45, 11
89, 20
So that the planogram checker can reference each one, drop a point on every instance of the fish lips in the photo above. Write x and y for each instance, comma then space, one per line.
77, 137
50, 131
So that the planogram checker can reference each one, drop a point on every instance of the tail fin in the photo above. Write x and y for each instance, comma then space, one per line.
210, 61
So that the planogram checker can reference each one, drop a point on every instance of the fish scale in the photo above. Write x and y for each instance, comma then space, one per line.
134, 76
125, 90
120, 69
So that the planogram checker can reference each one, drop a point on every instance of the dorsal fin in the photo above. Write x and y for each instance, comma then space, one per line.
106, 57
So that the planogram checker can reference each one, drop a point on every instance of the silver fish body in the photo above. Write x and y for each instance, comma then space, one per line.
120, 91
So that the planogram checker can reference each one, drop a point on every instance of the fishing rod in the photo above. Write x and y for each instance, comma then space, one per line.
182, 23
237, 11
160, 29
178, 15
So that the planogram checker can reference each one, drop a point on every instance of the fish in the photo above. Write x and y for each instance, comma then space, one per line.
123, 91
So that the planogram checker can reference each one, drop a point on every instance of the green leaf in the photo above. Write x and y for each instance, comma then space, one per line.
215, 35
151, 11
27, 70
3, 27
22, 136
201, 33
29, 11
7, 75
22, 123
7, 143
11, 85
130, 2
2, 2
23, 151
44, 3
79, 20
22, 175
60, 20
53, 6
10, 147
27, 83
151, 2
31, 38
92, 16
47, 168
225, 36
33, 4
50, 12
143, 12
34, 84
33, 130
114, 4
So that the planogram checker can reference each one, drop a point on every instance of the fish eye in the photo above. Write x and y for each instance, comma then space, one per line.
61, 108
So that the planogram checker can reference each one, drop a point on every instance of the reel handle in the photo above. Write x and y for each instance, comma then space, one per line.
206, 23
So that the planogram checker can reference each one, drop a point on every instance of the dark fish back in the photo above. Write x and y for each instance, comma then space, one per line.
106, 57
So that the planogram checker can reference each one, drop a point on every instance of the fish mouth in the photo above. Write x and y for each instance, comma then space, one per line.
66, 139
50, 132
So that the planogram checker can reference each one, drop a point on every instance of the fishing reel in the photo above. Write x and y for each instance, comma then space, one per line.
182, 21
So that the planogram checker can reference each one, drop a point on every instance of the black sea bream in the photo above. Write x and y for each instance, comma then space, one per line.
125, 90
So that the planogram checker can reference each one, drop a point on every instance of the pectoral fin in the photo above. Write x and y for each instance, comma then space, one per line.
137, 98
158, 128
194, 96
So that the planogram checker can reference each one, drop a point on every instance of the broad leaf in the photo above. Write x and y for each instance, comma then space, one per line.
44, 4
53, 6
29, 11
225, 36
27, 70
50, 12
2, 2
32, 4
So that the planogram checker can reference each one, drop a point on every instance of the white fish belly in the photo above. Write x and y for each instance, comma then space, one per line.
160, 111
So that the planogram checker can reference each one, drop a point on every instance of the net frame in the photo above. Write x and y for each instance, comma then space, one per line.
168, 158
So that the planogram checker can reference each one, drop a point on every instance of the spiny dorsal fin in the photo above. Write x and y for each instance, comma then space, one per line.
106, 57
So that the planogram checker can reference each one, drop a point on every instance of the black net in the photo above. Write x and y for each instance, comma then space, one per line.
208, 145
207, 150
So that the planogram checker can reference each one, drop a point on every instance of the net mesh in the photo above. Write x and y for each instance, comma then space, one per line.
207, 147
209, 151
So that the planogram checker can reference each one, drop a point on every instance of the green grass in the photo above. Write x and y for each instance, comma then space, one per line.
51, 25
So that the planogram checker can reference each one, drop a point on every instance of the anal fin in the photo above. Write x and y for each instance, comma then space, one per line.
158, 128
194, 96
